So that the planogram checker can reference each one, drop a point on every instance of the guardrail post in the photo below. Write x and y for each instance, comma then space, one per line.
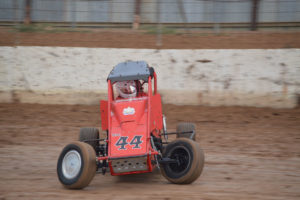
27, 19
158, 23
137, 17
74, 10
254, 15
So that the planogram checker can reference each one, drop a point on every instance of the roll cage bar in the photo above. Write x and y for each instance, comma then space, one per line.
131, 70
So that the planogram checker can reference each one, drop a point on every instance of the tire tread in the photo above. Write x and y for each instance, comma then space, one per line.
184, 127
196, 166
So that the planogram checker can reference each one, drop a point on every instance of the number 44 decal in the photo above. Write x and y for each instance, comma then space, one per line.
135, 142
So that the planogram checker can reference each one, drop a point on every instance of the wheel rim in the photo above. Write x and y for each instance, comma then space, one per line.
71, 164
183, 157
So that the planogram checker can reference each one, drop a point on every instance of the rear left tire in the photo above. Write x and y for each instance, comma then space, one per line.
90, 136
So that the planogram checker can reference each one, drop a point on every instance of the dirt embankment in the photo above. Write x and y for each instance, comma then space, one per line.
138, 39
251, 153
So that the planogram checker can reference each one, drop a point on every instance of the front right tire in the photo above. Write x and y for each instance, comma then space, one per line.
76, 165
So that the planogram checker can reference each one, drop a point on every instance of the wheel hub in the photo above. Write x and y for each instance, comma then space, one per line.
181, 154
71, 164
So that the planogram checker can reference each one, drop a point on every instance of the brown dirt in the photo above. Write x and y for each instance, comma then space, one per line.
251, 153
138, 39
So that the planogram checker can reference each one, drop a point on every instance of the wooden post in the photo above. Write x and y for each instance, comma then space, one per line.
137, 18
254, 15
27, 19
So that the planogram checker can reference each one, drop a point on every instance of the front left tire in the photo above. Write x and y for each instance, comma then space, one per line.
186, 127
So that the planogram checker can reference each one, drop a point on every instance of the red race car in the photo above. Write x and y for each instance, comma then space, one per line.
136, 138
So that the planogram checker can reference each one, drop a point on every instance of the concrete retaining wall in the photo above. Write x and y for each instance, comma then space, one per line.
64, 75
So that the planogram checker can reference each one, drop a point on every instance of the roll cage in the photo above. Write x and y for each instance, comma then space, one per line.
130, 70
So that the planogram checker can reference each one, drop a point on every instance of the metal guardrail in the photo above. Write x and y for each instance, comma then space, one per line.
158, 15
150, 11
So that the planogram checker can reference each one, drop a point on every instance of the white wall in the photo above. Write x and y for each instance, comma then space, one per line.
65, 75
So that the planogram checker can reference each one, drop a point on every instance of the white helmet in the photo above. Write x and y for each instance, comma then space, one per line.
126, 89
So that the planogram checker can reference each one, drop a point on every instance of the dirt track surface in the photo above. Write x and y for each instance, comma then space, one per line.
137, 39
251, 153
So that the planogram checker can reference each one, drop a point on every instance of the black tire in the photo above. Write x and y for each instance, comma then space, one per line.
89, 136
186, 127
86, 170
191, 159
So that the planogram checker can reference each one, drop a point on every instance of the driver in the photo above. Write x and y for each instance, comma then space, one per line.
126, 89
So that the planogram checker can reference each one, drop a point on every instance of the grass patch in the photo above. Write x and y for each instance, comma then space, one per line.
27, 28
153, 29
44, 28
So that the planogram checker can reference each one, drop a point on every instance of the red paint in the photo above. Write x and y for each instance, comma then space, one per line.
102, 158
104, 117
